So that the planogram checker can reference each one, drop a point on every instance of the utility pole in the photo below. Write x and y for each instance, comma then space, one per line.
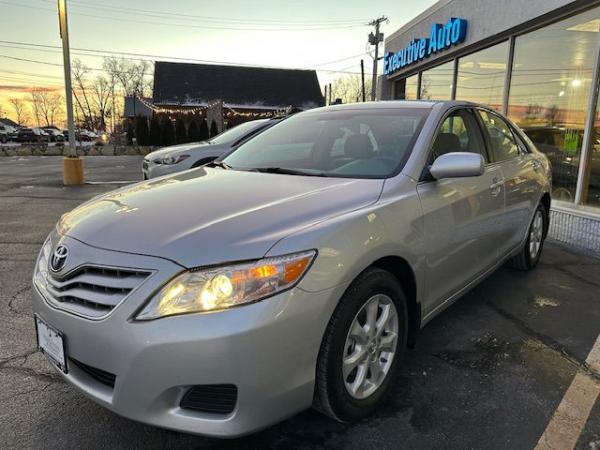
72, 164
330, 93
375, 39
362, 78
325, 96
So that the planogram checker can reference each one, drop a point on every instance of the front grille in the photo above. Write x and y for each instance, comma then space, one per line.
101, 376
145, 164
93, 291
211, 398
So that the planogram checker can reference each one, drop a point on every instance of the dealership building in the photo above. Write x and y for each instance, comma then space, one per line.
536, 61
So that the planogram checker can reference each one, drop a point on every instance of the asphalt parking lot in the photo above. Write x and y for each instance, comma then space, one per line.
489, 373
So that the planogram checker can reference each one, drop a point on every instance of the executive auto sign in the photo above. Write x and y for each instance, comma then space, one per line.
442, 37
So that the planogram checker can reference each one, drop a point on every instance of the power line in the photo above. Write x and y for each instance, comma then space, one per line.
145, 56
30, 60
180, 25
338, 60
162, 14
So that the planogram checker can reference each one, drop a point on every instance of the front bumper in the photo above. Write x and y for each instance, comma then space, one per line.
268, 350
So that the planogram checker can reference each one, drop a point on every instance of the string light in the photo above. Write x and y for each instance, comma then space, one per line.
201, 108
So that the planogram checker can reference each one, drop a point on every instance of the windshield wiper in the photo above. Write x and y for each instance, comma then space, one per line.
220, 164
284, 171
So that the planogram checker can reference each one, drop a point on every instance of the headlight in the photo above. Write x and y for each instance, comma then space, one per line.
40, 273
174, 159
224, 287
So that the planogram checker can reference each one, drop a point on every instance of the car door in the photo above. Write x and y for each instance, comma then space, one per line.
461, 215
519, 168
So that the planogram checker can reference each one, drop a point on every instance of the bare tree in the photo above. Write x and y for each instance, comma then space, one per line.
101, 89
80, 91
47, 106
349, 88
20, 108
132, 77
95, 98
35, 108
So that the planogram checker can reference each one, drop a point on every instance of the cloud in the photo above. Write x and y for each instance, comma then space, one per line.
26, 89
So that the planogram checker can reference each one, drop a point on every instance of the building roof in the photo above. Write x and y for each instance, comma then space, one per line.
184, 83
138, 108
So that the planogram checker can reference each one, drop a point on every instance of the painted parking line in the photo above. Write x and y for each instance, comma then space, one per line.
113, 182
570, 417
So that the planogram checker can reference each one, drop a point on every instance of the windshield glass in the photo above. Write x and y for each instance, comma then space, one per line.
346, 143
236, 132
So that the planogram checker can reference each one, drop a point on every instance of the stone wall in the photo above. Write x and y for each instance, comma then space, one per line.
92, 150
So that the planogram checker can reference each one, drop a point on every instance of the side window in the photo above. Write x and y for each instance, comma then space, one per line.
502, 141
459, 133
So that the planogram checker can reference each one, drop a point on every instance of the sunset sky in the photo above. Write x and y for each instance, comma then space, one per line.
289, 34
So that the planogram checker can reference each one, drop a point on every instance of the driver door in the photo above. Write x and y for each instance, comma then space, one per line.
461, 215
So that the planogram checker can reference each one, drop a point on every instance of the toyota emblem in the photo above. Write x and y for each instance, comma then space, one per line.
59, 258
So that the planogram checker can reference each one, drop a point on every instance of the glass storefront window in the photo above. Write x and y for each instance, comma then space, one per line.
436, 83
549, 91
406, 89
591, 181
481, 76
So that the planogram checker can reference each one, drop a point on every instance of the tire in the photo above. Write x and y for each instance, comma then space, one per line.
332, 396
527, 258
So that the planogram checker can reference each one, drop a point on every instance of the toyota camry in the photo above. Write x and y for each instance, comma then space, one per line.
294, 272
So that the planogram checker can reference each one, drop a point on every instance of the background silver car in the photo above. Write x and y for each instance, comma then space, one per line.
292, 274
177, 158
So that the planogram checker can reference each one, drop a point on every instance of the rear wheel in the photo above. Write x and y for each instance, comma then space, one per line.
363, 345
531, 252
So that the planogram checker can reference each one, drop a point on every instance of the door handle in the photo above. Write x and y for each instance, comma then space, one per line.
496, 187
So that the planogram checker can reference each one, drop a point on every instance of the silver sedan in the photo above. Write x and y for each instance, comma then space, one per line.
293, 273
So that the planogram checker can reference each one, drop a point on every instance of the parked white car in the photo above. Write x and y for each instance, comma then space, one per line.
187, 156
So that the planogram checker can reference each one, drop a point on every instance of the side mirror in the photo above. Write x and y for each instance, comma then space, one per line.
457, 165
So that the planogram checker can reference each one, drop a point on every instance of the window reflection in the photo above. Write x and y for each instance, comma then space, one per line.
591, 182
551, 77
406, 89
481, 76
436, 83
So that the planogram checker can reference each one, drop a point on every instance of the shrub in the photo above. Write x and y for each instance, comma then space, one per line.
203, 130
193, 132
141, 130
180, 132
129, 132
168, 132
155, 131
213, 129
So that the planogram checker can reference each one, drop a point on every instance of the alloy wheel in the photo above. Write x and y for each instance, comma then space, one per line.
370, 346
536, 234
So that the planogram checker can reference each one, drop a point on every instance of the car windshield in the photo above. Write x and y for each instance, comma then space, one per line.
235, 133
345, 143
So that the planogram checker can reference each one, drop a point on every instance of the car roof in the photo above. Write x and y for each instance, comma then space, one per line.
393, 104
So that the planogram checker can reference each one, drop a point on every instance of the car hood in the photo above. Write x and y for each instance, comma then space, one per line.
209, 215
178, 149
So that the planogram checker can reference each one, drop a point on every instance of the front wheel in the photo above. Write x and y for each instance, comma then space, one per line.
363, 345
531, 252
